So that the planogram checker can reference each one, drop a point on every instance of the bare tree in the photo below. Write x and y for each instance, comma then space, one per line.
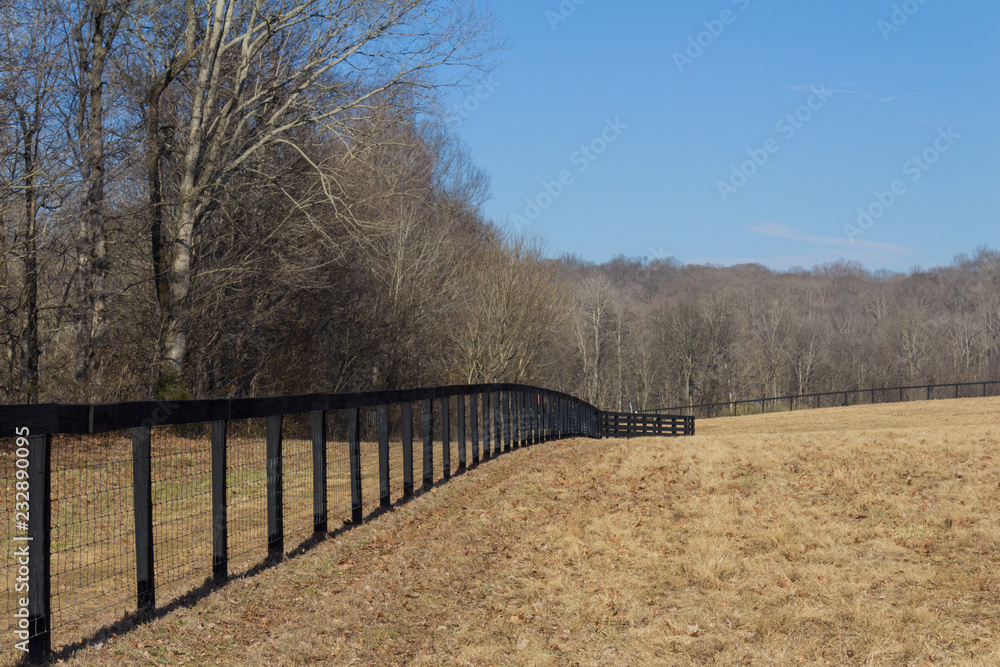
253, 71
28, 67
96, 26
511, 307
594, 304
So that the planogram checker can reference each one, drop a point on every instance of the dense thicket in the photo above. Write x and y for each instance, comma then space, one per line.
660, 334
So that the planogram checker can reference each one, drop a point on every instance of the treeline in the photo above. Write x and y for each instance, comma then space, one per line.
659, 334
242, 198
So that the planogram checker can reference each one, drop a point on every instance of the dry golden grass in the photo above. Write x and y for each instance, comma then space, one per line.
93, 562
862, 535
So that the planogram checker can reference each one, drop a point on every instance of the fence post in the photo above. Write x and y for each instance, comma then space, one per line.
528, 420
563, 413
531, 426
536, 420
354, 453
542, 418
460, 406
142, 494
487, 447
317, 424
474, 426
550, 417
428, 433
445, 437
522, 422
516, 414
531, 402
512, 430
553, 417
564, 417
497, 425
556, 417
383, 457
220, 519
406, 419
928, 392
956, 391
275, 504
508, 434
39, 552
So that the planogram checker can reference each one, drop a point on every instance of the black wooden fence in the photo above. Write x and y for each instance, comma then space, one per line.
635, 425
121, 507
924, 392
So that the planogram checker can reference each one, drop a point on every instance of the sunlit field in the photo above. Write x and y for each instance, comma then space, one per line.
864, 535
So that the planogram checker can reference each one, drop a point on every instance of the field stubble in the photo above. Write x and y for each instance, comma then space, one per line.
863, 535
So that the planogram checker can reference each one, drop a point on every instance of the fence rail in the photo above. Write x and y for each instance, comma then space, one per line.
837, 399
636, 425
129, 505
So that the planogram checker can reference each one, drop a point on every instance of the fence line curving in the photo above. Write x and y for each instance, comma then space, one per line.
827, 399
129, 507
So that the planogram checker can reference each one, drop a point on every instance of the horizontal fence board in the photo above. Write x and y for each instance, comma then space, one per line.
60, 418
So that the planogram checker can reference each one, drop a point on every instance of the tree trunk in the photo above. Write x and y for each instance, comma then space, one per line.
92, 260
30, 129
175, 316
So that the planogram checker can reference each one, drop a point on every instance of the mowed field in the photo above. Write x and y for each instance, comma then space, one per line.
866, 535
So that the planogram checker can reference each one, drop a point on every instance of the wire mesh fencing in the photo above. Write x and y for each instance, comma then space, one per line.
246, 489
136, 505
91, 529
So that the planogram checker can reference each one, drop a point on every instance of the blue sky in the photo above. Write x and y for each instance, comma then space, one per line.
730, 131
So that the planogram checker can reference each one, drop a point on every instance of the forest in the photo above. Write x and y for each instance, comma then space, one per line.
234, 198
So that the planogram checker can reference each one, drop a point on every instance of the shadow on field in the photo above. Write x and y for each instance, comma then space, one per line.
193, 597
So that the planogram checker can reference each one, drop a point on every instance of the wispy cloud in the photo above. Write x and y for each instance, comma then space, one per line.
809, 87
817, 251
895, 98
786, 232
